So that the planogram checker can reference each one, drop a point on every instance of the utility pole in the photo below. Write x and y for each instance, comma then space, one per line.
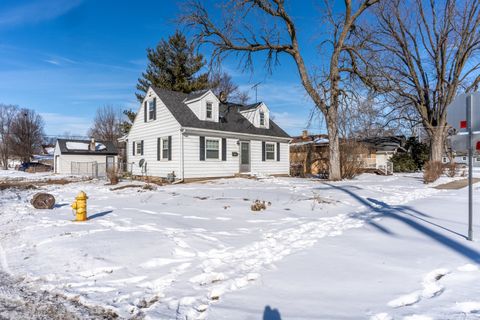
254, 87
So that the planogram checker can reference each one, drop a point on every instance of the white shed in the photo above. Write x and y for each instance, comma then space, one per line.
84, 157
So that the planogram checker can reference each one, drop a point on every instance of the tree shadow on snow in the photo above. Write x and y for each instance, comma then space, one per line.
411, 217
271, 314
100, 214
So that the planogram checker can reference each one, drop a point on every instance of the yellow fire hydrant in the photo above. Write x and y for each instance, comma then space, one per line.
80, 206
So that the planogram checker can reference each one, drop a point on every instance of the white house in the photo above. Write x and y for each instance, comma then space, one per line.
92, 158
197, 136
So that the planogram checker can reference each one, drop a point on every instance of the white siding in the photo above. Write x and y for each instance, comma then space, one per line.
195, 168
64, 163
165, 125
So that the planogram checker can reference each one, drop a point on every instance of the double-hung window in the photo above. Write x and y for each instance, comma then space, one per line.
138, 144
165, 148
262, 118
270, 151
212, 149
209, 110
151, 110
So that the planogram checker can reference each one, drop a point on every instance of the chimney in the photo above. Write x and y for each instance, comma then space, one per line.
222, 97
304, 134
92, 144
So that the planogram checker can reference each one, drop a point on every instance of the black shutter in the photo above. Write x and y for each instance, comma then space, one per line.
278, 151
202, 148
263, 150
158, 149
169, 147
154, 108
224, 149
141, 148
145, 111
133, 147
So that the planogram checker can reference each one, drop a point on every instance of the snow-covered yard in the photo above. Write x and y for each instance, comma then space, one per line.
372, 248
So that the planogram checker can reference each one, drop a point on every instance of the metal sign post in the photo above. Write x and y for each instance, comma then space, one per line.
470, 167
464, 116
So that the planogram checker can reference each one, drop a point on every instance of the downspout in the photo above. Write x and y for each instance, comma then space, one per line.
182, 155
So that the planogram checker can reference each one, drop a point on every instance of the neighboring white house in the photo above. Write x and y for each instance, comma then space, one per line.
84, 157
462, 159
197, 136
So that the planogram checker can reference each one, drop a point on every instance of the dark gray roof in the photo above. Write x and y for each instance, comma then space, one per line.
389, 143
110, 149
231, 120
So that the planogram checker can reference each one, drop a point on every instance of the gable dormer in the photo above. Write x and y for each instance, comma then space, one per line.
205, 105
258, 114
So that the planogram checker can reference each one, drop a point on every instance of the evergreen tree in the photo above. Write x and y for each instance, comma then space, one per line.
173, 65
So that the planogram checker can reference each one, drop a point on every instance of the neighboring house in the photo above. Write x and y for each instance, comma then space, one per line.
309, 153
461, 158
84, 157
381, 150
197, 136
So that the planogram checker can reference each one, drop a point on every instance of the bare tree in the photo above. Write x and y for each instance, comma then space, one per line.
424, 53
279, 35
27, 134
7, 115
107, 124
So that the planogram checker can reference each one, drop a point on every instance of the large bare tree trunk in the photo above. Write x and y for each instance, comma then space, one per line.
334, 171
437, 143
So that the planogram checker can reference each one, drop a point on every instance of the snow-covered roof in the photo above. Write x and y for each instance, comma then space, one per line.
70, 146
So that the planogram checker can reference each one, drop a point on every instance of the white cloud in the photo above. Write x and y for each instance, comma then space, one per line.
36, 11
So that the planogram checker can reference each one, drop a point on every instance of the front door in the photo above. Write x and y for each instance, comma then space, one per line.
110, 163
244, 156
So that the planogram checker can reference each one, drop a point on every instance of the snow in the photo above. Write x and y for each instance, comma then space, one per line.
71, 145
372, 248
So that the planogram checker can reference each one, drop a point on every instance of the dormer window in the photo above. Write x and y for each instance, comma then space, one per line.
209, 110
151, 110
262, 118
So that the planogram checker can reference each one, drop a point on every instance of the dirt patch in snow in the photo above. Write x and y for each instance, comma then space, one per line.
17, 301
457, 184
33, 184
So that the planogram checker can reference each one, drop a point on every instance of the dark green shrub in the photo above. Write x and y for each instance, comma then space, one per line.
403, 162
420, 152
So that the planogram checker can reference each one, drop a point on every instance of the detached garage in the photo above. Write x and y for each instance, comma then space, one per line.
84, 157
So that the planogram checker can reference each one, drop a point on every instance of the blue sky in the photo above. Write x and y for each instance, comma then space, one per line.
65, 58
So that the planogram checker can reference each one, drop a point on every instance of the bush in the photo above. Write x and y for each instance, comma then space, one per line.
451, 170
403, 162
112, 176
432, 171
419, 151
350, 159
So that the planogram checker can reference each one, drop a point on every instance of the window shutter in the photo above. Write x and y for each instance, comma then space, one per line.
133, 147
141, 148
263, 150
154, 108
145, 111
158, 149
224, 149
169, 147
278, 151
202, 148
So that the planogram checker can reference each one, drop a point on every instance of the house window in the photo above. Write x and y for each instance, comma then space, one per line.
209, 110
212, 149
464, 158
270, 151
138, 144
262, 118
151, 110
165, 148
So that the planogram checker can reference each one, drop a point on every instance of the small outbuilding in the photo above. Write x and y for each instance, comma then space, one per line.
85, 157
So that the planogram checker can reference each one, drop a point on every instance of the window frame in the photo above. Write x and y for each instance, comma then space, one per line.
151, 110
217, 140
209, 103
262, 118
138, 148
164, 140
271, 151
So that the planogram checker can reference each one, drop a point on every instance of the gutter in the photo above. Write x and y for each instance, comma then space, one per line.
234, 134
